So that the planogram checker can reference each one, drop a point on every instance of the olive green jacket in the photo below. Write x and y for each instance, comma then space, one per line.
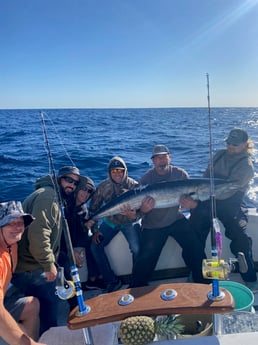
39, 246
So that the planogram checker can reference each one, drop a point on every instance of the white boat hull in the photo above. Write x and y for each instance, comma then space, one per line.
171, 259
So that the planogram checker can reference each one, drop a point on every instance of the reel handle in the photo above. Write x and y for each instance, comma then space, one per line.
213, 269
239, 264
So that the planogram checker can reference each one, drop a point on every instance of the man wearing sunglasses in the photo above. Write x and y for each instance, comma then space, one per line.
116, 184
79, 226
233, 163
39, 247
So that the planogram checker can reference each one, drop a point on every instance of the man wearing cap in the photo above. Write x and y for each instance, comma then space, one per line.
233, 163
38, 250
19, 317
81, 239
116, 184
158, 224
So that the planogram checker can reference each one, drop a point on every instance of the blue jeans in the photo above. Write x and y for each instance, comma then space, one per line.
132, 235
33, 283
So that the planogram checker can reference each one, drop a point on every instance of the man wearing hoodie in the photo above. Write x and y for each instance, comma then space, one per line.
38, 249
116, 184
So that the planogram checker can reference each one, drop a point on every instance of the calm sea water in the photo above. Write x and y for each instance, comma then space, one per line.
89, 138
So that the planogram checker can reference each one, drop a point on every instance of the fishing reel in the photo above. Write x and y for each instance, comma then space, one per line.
65, 289
220, 269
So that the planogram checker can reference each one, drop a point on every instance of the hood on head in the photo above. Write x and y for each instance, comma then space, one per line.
117, 162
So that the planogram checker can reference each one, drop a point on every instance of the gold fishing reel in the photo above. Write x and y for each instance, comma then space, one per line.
66, 291
218, 269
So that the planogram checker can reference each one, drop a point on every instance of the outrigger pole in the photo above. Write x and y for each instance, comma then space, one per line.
83, 309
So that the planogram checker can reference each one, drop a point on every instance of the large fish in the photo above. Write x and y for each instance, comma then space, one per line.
167, 194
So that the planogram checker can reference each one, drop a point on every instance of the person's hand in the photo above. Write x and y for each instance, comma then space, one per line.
79, 257
51, 275
128, 212
89, 224
148, 204
97, 237
33, 342
187, 202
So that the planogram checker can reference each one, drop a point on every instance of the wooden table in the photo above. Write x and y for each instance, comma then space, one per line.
190, 298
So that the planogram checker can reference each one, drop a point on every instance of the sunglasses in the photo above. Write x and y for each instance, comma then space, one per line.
120, 171
70, 180
88, 190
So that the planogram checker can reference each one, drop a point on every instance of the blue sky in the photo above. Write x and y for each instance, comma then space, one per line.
128, 53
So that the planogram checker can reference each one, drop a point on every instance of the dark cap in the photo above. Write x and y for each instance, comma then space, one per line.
237, 136
160, 150
11, 210
68, 170
116, 163
85, 181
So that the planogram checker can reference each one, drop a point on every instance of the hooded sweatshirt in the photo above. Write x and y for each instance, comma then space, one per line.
39, 246
109, 189
235, 167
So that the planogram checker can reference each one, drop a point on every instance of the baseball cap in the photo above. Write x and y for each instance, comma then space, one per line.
116, 163
237, 136
68, 170
160, 150
86, 181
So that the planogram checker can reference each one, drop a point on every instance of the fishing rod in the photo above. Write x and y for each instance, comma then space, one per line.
83, 309
214, 268
216, 238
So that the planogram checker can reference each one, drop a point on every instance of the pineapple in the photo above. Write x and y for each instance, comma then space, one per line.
141, 330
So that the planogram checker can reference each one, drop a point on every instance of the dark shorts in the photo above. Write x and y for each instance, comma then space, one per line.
14, 302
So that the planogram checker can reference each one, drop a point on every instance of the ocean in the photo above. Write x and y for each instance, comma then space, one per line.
89, 138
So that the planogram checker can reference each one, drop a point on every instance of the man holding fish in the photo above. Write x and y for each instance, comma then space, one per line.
159, 223
157, 202
233, 163
117, 183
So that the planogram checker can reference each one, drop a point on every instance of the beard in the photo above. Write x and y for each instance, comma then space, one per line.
162, 167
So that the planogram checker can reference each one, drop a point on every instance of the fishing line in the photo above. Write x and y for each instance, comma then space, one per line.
59, 139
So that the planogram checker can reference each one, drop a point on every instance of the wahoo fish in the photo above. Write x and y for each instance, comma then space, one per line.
167, 194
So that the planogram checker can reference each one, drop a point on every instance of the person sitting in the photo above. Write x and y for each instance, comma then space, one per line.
38, 250
77, 219
19, 316
233, 163
116, 184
